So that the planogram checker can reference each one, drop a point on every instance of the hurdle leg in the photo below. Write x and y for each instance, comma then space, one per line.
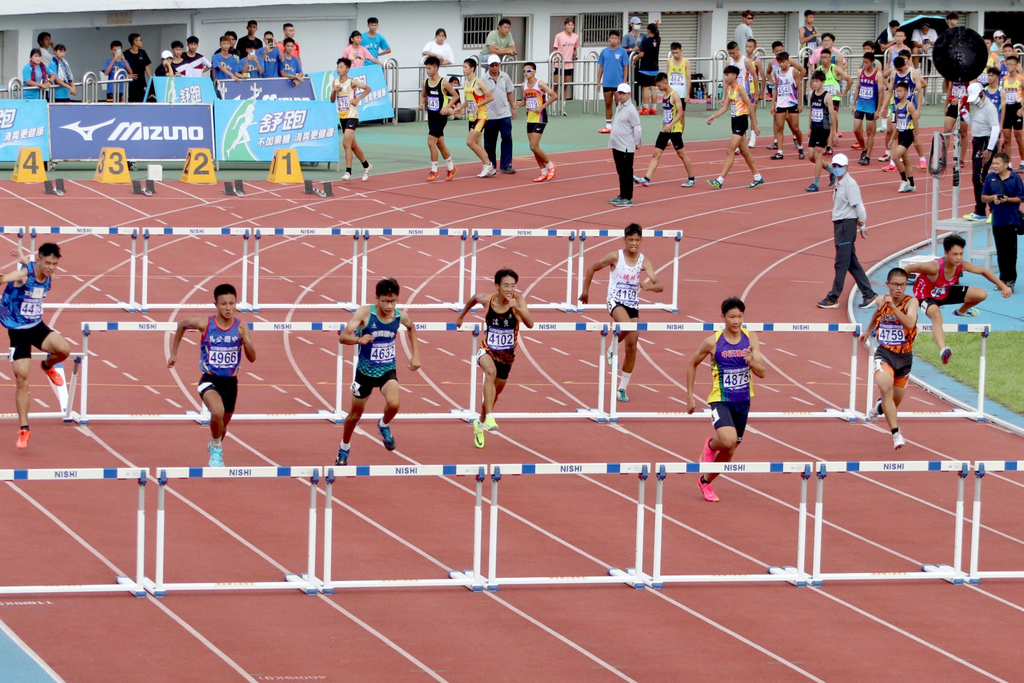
818, 514
131, 272
158, 585
355, 269
245, 267
326, 586
32, 241
638, 567
492, 536
462, 268
366, 258
307, 582
659, 519
614, 381
870, 386
256, 272
339, 382
470, 407
801, 535
981, 377
675, 274
472, 264
72, 387
979, 472
952, 573
478, 531
136, 586
570, 305
83, 409
601, 415
144, 307
579, 267
853, 379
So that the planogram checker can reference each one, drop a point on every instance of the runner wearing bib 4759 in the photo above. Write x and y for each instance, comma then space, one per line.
498, 341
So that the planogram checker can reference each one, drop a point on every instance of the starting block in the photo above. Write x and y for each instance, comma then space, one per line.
29, 167
285, 167
234, 188
328, 190
147, 190
55, 187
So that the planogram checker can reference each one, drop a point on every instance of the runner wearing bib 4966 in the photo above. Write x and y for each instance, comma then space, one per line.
505, 310
624, 284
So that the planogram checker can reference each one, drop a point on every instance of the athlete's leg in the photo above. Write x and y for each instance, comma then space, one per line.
354, 148
628, 339
392, 392
443, 149
486, 364
1019, 136
858, 125
794, 127
917, 145
817, 154
57, 347
869, 136
215, 404
346, 142
21, 368
778, 126
655, 160
686, 161
473, 142
432, 145
608, 106
975, 295
724, 445
730, 153
934, 313
355, 411
747, 156
884, 382
538, 153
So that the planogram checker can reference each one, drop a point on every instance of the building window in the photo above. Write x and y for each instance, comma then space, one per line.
475, 29
594, 28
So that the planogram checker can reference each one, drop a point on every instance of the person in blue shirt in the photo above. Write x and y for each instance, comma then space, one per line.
60, 74
34, 77
289, 65
373, 41
269, 56
114, 67
1003, 190
225, 64
612, 64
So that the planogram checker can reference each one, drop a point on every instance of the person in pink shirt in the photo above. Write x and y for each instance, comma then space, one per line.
356, 53
567, 43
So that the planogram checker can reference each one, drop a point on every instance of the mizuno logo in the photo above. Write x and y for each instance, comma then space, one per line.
87, 131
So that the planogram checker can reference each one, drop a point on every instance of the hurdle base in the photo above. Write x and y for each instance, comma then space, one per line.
150, 586
799, 578
309, 586
133, 588
469, 576
955, 577
630, 577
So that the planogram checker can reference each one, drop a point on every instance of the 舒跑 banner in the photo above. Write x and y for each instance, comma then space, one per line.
375, 105
265, 89
23, 124
144, 131
182, 90
250, 130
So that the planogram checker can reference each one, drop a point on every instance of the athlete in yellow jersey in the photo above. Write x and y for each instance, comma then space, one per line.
679, 72
475, 106
896, 320
1013, 95
738, 103
673, 123
346, 93
536, 98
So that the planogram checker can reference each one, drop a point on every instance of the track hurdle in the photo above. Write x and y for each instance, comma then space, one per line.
470, 578
631, 577
848, 413
796, 575
978, 414
951, 573
981, 468
367, 233
83, 416
122, 583
570, 303
676, 235
307, 582
65, 393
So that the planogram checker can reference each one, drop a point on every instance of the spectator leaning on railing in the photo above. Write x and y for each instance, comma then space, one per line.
269, 55
61, 75
140, 71
33, 76
499, 41
113, 67
440, 49
193, 64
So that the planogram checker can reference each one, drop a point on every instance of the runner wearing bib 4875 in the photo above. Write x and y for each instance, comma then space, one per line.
505, 310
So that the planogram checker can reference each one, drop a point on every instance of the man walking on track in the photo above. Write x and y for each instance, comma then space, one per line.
848, 215
224, 338
624, 287
937, 285
505, 310
896, 320
21, 311
735, 353
624, 141
375, 330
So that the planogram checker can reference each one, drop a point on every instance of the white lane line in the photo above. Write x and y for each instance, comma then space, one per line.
820, 365
765, 386
151, 389
558, 351
786, 352
109, 363
587, 362
130, 377
176, 405
555, 400
41, 402
531, 390
806, 403
446, 352
279, 388
427, 400
296, 398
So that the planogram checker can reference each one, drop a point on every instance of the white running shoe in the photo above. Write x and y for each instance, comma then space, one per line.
347, 176
486, 171
897, 441
366, 171
875, 411
753, 138
904, 186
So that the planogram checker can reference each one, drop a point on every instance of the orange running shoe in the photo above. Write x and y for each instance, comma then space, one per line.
451, 174
432, 176
551, 172
542, 177
23, 437
857, 145
52, 373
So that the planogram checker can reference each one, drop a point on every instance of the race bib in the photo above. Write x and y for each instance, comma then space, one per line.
223, 358
733, 108
831, 89
677, 79
500, 339
902, 122
433, 103
959, 90
817, 115
531, 103
785, 89
343, 103
1011, 97
382, 354
866, 92
889, 334
471, 108
666, 115
32, 308
626, 295
736, 379
939, 292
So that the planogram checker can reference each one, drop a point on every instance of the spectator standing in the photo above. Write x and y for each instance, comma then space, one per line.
356, 52
499, 41
289, 32
984, 120
290, 65
631, 44
887, 37
193, 64
269, 56
61, 75
139, 61
250, 66
624, 141
114, 64
848, 215
34, 78
612, 64
952, 20
1004, 190
743, 32
631, 41
500, 113
45, 48
440, 49
165, 68
250, 41
809, 36
647, 69
373, 41
225, 64
568, 44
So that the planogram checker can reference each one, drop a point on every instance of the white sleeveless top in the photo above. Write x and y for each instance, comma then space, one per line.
785, 88
624, 282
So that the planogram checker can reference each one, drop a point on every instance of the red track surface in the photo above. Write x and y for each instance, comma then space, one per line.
773, 246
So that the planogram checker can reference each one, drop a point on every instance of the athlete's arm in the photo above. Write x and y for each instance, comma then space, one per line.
753, 356
929, 268
987, 274
915, 113
358, 321
550, 95
608, 261
722, 110
909, 319
521, 310
187, 324
19, 276
652, 284
474, 300
488, 95
245, 336
414, 343
874, 319
706, 347
356, 85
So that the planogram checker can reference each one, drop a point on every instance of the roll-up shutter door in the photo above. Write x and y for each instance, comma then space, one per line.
679, 27
767, 27
851, 29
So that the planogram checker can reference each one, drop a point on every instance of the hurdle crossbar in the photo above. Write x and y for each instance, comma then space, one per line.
121, 583
796, 575
570, 303
978, 414
306, 582
981, 468
83, 416
632, 576
676, 235
367, 233
470, 578
951, 573
64, 393
848, 413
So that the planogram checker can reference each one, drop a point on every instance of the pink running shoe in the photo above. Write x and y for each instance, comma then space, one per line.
705, 488
708, 455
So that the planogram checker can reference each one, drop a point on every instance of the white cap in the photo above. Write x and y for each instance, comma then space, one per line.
998, 34
166, 54
840, 160
623, 87
494, 59
635, 20
974, 93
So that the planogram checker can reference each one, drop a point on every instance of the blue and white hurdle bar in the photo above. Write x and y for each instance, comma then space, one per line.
306, 582
676, 235
796, 574
632, 576
121, 583
65, 393
978, 413
848, 413
981, 468
951, 573
470, 578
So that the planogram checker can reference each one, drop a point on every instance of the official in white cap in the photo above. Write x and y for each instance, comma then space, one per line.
848, 215
500, 114
624, 141
984, 120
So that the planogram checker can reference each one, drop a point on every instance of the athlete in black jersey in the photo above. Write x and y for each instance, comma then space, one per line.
434, 100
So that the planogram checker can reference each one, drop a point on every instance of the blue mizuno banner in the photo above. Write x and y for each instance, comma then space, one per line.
250, 130
182, 90
375, 105
265, 89
144, 131
23, 124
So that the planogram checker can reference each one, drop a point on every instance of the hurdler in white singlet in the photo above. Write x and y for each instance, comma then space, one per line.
624, 283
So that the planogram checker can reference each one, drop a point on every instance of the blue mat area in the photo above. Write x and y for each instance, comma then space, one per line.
17, 665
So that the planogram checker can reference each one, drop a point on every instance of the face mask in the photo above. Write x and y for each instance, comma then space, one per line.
838, 171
